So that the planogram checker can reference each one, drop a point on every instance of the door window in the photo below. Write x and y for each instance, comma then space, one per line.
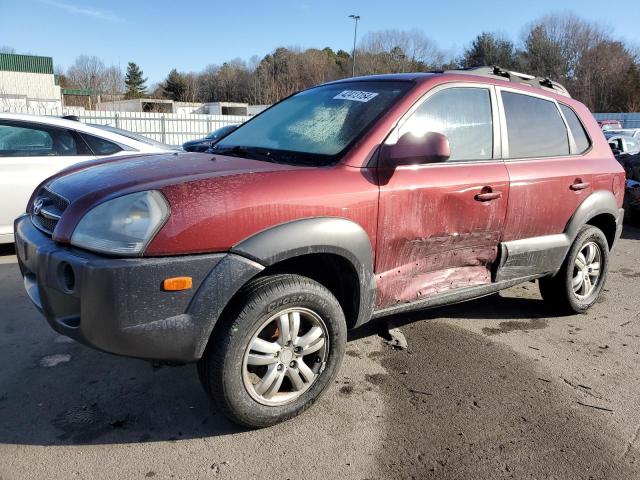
577, 129
26, 140
462, 114
534, 126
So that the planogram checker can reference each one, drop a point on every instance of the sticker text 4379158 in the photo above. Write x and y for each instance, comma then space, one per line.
355, 95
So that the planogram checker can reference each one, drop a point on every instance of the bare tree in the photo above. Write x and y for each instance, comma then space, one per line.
398, 51
113, 82
87, 72
555, 44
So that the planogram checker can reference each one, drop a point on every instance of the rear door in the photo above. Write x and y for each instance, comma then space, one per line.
440, 224
29, 153
550, 175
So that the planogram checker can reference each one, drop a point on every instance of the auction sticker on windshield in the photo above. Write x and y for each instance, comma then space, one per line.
355, 95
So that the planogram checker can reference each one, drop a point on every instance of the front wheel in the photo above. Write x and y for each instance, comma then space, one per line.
578, 284
274, 354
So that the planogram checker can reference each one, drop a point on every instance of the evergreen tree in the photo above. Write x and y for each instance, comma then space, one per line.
135, 82
489, 49
175, 86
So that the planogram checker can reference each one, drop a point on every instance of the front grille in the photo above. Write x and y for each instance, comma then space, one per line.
47, 209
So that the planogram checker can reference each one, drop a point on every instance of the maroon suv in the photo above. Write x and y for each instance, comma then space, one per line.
352, 200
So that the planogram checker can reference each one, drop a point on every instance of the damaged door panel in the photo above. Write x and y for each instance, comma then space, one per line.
440, 224
434, 235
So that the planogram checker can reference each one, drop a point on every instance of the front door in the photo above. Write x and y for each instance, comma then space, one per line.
440, 224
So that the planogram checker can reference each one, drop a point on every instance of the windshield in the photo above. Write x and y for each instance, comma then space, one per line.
134, 136
316, 126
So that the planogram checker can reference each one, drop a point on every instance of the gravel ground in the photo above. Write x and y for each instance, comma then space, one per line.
495, 388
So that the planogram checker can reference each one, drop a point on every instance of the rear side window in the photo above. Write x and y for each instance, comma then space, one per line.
534, 126
27, 140
100, 146
577, 129
463, 115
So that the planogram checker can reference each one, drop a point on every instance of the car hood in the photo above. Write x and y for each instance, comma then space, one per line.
118, 176
88, 184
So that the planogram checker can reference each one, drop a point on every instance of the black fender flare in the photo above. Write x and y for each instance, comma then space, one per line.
333, 235
599, 202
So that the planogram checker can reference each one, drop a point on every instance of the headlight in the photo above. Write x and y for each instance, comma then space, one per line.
124, 225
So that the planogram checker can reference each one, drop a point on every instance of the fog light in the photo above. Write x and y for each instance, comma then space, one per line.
68, 277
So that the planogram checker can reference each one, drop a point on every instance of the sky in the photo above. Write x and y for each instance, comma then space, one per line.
189, 35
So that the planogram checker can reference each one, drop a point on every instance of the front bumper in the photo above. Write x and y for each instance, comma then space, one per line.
118, 305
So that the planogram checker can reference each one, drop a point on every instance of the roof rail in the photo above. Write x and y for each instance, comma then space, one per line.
523, 78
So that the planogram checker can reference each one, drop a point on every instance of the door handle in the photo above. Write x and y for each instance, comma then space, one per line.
579, 185
487, 194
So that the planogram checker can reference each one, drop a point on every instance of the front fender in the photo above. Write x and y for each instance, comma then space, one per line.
332, 235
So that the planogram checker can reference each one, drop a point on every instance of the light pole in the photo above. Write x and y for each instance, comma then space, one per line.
353, 52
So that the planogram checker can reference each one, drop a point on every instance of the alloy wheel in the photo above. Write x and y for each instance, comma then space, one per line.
285, 356
586, 270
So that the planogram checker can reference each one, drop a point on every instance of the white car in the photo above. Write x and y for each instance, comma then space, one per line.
629, 132
33, 148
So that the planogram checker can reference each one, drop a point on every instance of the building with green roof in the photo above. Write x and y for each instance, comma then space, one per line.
28, 81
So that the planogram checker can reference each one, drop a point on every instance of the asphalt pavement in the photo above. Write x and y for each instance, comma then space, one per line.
499, 387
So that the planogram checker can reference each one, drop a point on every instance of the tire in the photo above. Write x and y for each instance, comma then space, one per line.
259, 387
558, 291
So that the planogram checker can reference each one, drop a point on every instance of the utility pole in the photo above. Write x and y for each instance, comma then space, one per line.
353, 52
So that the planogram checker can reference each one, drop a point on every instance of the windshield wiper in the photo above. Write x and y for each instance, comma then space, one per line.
239, 151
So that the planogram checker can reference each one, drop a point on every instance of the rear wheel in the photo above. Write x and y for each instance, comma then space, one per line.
273, 355
579, 282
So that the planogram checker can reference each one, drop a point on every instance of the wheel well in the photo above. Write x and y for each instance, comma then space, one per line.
333, 271
607, 223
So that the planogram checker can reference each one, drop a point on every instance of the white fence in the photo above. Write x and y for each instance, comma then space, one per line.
170, 128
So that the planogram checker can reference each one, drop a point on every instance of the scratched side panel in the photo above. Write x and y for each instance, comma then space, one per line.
433, 235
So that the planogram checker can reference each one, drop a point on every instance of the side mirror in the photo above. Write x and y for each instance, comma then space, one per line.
412, 150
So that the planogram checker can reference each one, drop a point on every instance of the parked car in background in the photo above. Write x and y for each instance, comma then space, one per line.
137, 137
33, 148
628, 132
622, 143
632, 201
204, 144
610, 124
352, 200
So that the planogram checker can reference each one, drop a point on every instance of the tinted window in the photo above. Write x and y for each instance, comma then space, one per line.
100, 146
314, 126
535, 127
463, 115
579, 134
25, 140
